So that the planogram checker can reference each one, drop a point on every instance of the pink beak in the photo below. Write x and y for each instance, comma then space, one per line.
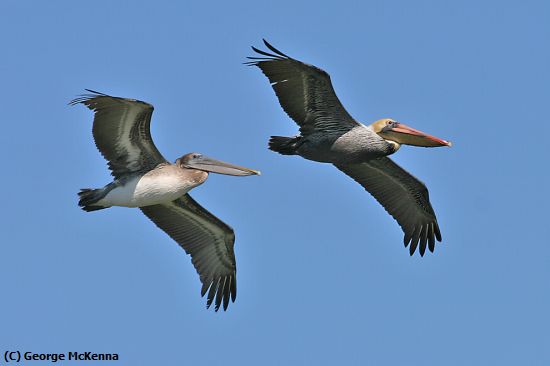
406, 135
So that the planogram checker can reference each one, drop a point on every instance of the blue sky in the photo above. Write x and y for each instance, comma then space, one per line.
322, 272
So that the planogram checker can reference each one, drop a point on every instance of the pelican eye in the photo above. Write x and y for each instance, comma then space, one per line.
196, 156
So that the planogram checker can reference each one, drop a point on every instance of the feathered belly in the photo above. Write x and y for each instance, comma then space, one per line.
148, 190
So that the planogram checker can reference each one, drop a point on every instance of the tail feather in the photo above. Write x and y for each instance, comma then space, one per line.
89, 197
283, 145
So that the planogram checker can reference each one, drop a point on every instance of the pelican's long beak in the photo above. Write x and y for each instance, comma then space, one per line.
406, 135
215, 166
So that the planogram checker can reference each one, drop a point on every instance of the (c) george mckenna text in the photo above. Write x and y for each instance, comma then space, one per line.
70, 356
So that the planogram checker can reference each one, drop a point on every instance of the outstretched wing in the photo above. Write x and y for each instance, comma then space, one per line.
207, 239
121, 132
403, 196
305, 92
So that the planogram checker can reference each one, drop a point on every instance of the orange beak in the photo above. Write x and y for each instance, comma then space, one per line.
406, 135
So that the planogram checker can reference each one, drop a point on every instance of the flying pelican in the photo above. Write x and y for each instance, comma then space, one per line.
144, 178
329, 134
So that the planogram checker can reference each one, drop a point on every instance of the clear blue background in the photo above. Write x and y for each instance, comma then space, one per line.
323, 275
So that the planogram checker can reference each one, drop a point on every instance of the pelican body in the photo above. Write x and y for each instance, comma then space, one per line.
165, 183
329, 134
144, 178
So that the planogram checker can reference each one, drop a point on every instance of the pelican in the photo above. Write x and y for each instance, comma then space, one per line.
144, 178
329, 134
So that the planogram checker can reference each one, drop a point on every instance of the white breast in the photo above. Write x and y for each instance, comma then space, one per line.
148, 190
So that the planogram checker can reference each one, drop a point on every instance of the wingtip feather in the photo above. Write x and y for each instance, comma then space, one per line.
83, 98
234, 287
437, 232
268, 45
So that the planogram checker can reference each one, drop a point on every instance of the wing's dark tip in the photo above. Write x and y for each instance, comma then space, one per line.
270, 55
422, 239
212, 293
83, 98
234, 287
226, 290
256, 61
276, 55
96, 92
268, 45
431, 237
415, 240
258, 50
220, 291
422, 250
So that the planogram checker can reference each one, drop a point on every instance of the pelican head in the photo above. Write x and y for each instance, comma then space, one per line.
397, 133
200, 162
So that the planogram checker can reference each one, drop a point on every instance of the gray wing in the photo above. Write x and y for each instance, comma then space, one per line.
121, 132
305, 92
403, 196
207, 239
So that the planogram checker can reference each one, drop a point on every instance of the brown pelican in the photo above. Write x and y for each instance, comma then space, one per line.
144, 178
329, 134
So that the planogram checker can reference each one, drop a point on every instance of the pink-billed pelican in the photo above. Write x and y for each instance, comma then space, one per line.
144, 178
329, 134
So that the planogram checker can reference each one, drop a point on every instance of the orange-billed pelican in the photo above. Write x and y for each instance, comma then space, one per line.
144, 178
329, 134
